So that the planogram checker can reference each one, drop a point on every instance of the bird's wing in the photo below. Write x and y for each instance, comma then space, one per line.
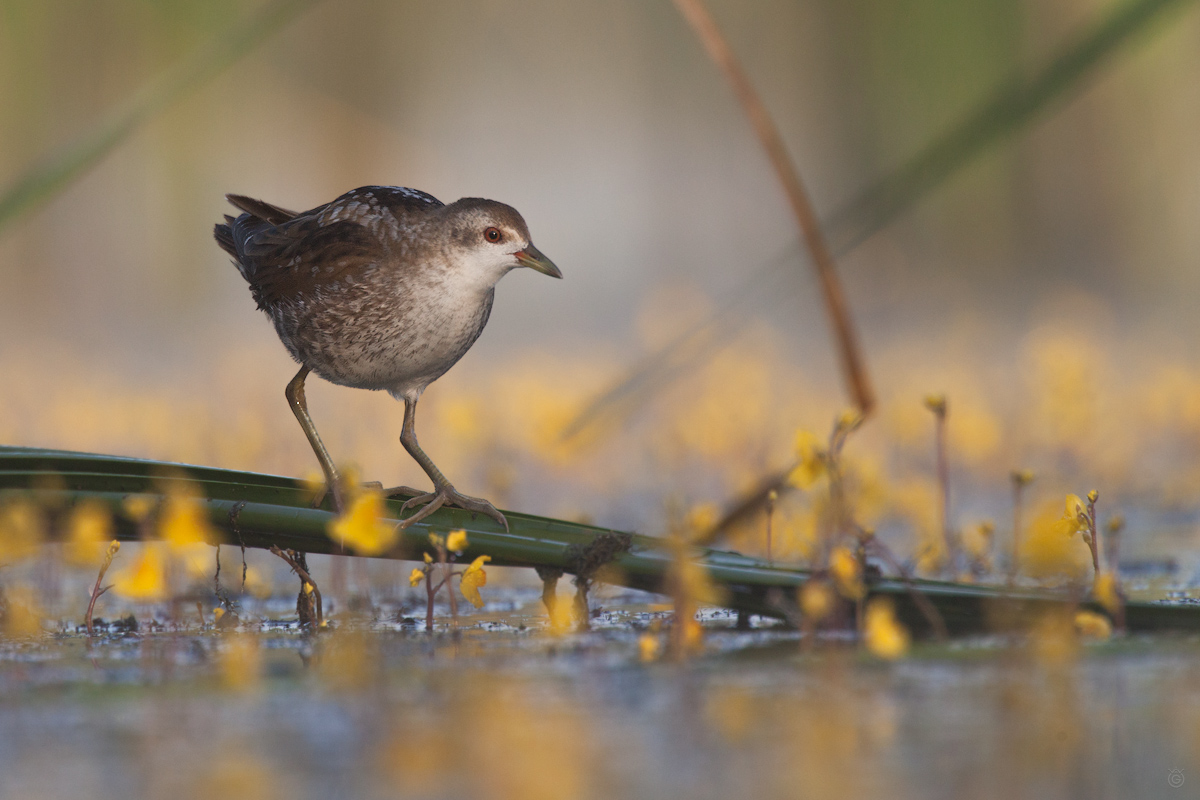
262, 210
321, 247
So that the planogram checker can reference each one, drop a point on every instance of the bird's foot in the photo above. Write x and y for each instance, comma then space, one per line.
447, 496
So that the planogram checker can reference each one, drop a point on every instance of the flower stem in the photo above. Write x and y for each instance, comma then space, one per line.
96, 590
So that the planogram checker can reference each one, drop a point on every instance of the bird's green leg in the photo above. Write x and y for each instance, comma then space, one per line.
443, 492
295, 396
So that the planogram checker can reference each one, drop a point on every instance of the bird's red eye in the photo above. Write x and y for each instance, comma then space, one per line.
493, 235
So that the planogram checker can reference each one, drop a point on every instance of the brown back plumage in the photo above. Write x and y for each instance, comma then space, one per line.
285, 255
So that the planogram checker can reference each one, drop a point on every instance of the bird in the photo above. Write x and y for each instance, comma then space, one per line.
384, 288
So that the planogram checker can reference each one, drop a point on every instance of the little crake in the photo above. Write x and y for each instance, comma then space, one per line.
383, 288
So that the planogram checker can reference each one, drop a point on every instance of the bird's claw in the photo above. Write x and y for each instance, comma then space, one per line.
448, 496
403, 491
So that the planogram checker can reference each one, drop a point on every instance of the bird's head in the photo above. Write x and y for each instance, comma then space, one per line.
489, 239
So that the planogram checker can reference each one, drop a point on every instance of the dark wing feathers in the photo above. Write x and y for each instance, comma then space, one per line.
257, 208
284, 255
293, 261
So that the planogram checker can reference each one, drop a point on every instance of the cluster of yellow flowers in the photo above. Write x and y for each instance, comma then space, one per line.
470, 580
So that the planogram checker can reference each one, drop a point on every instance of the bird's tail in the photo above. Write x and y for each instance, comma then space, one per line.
223, 233
232, 230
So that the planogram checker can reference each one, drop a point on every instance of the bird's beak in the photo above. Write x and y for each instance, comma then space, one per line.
532, 257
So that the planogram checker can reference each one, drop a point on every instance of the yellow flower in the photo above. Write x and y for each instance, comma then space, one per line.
1074, 519
561, 618
456, 541
816, 601
416, 576
884, 635
308, 588
846, 573
428, 558
649, 647
1092, 625
146, 579
849, 420
812, 460
1022, 477
1107, 592
437, 540
21, 526
89, 528
183, 521
258, 584
137, 506
1046, 553
23, 615
472, 578
936, 403
313, 484
362, 527
702, 518
978, 541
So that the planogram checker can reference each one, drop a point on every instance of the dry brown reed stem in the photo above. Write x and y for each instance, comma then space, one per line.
430, 595
96, 590
293, 561
722, 54
937, 404
431, 588
1020, 479
1093, 539
447, 573
846, 424
771, 499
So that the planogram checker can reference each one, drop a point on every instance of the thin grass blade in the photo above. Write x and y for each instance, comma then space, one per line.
54, 173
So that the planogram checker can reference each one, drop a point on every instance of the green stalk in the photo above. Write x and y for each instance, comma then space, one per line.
262, 511
59, 169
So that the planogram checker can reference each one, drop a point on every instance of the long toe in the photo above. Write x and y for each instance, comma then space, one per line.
422, 497
447, 496
476, 504
433, 505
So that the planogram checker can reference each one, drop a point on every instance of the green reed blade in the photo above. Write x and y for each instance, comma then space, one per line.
59, 169
262, 511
